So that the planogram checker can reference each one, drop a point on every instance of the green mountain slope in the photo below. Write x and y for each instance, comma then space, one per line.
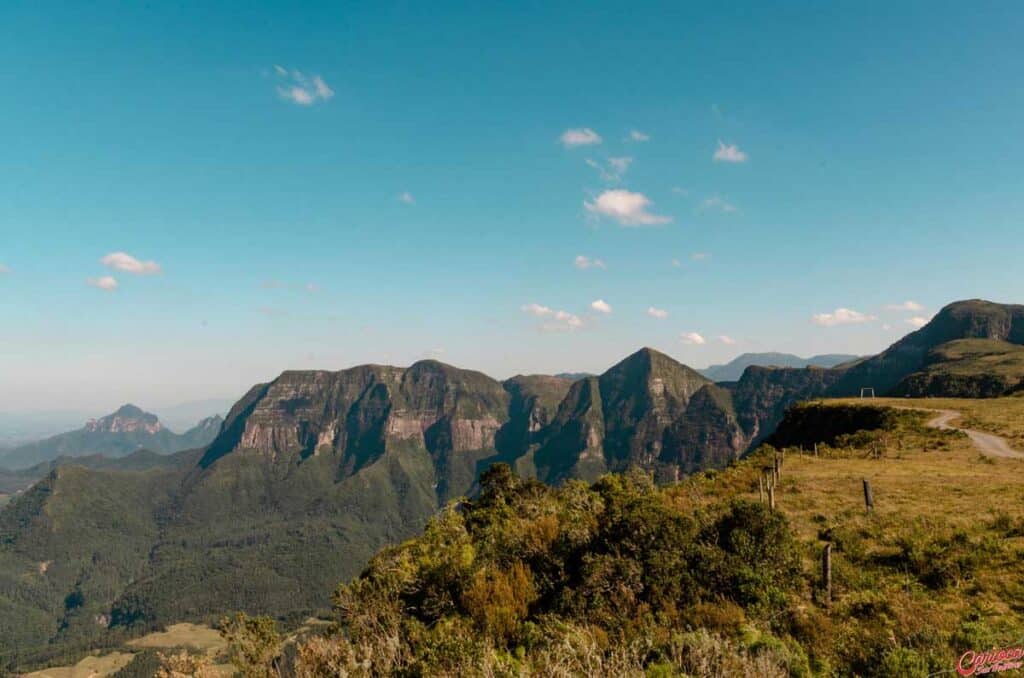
68, 547
967, 368
974, 319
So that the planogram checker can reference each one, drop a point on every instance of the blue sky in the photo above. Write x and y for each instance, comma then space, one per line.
331, 184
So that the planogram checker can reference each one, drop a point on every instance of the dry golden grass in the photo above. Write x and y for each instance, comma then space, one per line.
90, 667
925, 483
196, 636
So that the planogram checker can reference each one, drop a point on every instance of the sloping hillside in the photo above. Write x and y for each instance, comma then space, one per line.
967, 368
946, 365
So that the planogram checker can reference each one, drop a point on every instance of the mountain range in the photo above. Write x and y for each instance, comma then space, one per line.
115, 435
313, 472
733, 370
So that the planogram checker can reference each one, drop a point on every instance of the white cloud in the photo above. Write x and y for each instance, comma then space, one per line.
637, 135
555, 321
626, 207
4, 269
658, 313
717, 203
841, 316
620, 165
107, 283
905, 306
312, 288
614, 170
601, 306
917, 321
407, 198
123, 261
580, 136
676, 263
700, 256
729, 153
301, 89
678, 190
536, 309
584, 262
692, 338
727, 340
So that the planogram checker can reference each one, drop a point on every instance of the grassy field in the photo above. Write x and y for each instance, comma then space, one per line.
102, 665
951, 519
195, 637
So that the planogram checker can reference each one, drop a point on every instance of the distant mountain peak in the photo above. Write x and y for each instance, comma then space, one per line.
131, 411
733, 370
127, 418
648, 360
213, 422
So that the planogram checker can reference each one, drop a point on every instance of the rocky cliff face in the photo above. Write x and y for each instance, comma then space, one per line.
647, 411
652, 412
127, 419
763, 395
355, 416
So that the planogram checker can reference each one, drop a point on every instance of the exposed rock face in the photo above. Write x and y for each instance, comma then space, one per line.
355, 416
127, 419
763, 395
647, 411
652, 412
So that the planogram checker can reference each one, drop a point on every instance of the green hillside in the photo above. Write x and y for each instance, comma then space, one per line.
967, 368
931, 361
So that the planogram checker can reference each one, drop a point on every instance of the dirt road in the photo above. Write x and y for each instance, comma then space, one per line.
987, 443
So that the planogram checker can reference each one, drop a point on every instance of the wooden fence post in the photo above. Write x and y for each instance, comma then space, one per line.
869, 498
771, 497
760, 488
826, 573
